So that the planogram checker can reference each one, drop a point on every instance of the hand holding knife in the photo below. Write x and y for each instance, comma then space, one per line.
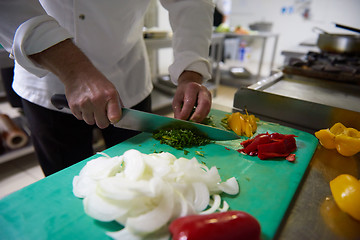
147, 122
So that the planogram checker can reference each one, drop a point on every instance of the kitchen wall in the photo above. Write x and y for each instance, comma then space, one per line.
293, 20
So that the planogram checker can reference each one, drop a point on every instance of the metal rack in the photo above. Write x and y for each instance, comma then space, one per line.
264, 37
163, 88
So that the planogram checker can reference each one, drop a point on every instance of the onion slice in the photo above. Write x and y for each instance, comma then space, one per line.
214, 205
202, 198
230, 186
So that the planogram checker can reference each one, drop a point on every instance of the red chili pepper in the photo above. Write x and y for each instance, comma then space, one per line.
270, 145
291, 157
231, 225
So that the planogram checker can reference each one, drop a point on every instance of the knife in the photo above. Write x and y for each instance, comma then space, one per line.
148, 122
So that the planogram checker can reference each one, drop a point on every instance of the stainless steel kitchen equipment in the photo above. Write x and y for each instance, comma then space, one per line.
343, 68
309, 99
338, 43
313, 90
302, 102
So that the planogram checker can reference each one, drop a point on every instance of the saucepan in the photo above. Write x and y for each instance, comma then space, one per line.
337, 43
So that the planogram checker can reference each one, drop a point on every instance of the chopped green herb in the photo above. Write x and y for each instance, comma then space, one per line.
181, 138
224, 123
157, 151
200, 153
209, 120
186, 152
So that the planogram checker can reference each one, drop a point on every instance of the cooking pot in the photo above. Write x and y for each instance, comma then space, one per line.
261, 26
338, 43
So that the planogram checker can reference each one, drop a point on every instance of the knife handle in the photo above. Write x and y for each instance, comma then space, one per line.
59, 101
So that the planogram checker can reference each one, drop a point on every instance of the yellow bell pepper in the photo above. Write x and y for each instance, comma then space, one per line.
234, 122
345, 189
241, 124
345, 140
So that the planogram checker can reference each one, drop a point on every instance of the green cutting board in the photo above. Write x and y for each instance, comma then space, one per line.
48, 209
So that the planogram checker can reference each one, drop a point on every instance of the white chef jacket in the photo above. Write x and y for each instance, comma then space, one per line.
110, 33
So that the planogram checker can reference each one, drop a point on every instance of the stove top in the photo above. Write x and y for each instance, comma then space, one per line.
329, 66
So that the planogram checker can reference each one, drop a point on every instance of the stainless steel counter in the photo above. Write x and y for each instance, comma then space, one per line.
314, 213
310, 105
304, 103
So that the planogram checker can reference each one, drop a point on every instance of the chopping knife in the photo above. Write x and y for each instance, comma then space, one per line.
147, 122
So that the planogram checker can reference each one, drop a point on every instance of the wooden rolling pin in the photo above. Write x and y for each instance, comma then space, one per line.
12, 135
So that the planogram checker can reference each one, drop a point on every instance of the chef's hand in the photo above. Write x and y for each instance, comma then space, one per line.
91, 96
189, 94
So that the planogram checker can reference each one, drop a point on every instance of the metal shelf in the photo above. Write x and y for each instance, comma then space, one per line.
16, 153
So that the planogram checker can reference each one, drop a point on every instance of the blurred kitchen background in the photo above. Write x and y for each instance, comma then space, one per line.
256, 41
292, 20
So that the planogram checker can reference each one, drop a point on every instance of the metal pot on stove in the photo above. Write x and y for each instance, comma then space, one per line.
337, 43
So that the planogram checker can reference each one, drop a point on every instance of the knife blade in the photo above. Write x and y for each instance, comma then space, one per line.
148, 122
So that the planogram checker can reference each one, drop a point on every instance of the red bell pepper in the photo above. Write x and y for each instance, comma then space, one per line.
267, 145
252, 146
231, 225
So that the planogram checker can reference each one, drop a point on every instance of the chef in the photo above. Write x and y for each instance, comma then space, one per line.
93, 52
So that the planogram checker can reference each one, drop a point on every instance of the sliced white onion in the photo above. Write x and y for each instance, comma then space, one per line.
146, 192
214, 205
183, 207
214, 174
83, 186
154, 219
107, 212
125, 234
202, 197
158, 165
225, 207
103, 154
102, 167
230, 186
134, 164
121, 188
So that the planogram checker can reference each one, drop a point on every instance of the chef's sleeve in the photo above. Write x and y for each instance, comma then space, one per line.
26, 29
191, 22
